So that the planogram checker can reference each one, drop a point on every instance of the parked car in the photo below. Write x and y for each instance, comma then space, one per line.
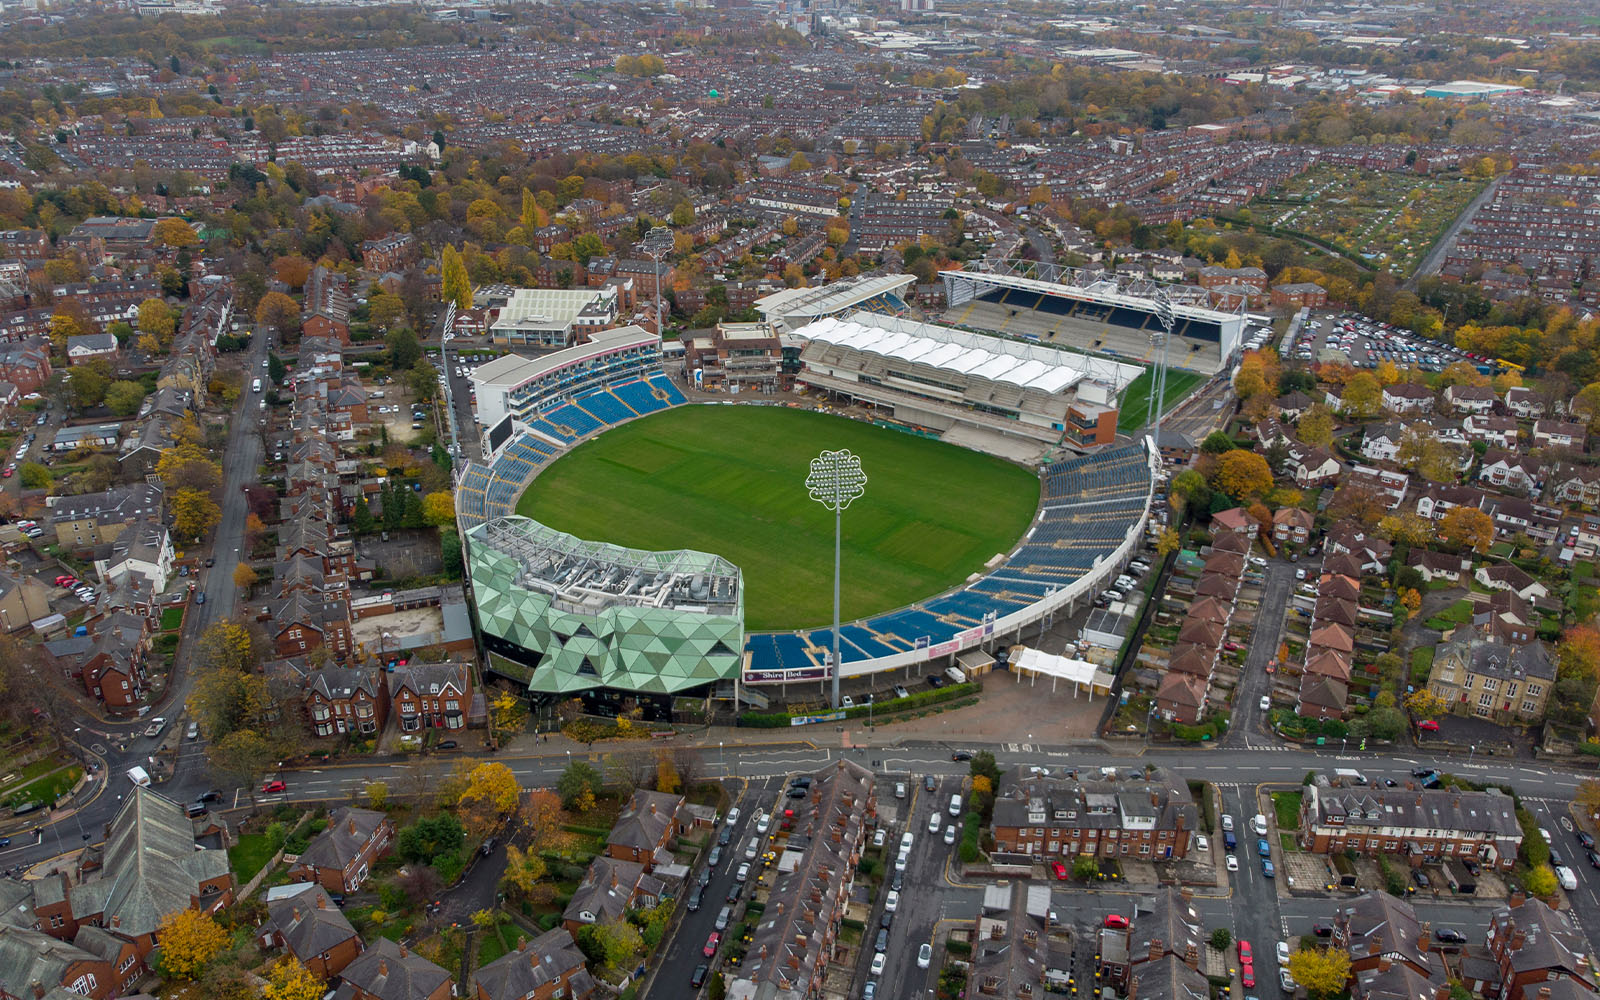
880, 960
698, 978
924, 955
1059, 870
891, 902
1267, 868
193, 732
1116, 920
711, 944
1233, 862
1428, 726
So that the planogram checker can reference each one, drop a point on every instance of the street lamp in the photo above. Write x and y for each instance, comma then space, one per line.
1472, 748
835, 481
657, 243
721, 765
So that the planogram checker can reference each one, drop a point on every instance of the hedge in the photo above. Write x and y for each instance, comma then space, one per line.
919, 699
969, 837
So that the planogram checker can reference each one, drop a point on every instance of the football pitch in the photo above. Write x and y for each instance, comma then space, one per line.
1136, 400
731, 480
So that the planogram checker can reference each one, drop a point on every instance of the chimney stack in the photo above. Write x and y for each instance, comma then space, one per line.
1191, 956
1157, 948
383, 967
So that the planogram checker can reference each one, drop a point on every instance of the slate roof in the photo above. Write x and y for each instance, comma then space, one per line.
308, 922
1168, 978
533, 965
1379, 924
151, 867
28, 956
1553, 940
1418, 809
606, 890
1099, 803
391, 972
645, 819
1488, 658
349, 830
1171, 920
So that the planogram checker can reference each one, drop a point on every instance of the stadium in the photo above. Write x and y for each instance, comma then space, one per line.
580, 617
1094, 311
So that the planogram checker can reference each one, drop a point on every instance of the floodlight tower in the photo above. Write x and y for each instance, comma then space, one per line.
835, 481
657, 243
1158, 378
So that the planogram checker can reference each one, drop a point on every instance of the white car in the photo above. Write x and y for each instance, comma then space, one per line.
763, 823
950, 834
903, 861
1201, 844
1233, 862
1300, 574
933, 824
1266, 703
1258, 562
1227, 823
1283, 953
906, 840
878, 962
925, 955
1258, 823
892, 902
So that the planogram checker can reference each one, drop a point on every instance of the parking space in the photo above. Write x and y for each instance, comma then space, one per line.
1353, 339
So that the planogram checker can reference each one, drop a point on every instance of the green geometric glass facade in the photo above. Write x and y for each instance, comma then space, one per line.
586, 615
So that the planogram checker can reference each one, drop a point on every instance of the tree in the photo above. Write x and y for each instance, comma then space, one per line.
174, 232
63, 326
1587, 797
1541, 881
244, 577
89, 389
1316, 426
1578, 654
385, 310
1085, 867
429, 837
156, 319
579, 782
439, 509
455, 286
541, 817
34, 476
522, 879
1424, 704
1363, 396
1221, 939
508, 712
1168, 543
123, 398
1190, 487
194, 513
224, 701
289, 980
186, 466
614, 946
1216, 443
1385, 723
225, 646
1406, 528
292, 270
189, 939
404, 350
1468, 527
1243, 474
377, 793
667, 779
280, 312
1586, 404
1322, 971
1410, 600
492, 792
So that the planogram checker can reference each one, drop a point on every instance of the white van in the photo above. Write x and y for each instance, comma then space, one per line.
139, 776
955, 805
1568, 880
956, 675
255, 385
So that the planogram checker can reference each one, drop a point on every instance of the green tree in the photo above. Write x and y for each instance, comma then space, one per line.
123, 398
1542, 881
404, 350
614, 947
362, 522
1221, 939
277, 371
1084, 867
579, 778
1363, 396
429, 837
227, 646
88, 388
1216, 443
34, 476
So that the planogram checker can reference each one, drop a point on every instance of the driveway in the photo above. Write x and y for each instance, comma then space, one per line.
1254, 681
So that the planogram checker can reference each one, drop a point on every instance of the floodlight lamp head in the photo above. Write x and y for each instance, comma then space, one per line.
836, 479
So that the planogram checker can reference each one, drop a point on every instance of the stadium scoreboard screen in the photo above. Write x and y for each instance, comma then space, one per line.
499, 434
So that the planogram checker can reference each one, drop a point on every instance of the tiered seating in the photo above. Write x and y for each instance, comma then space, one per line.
1089, 505
605, 408
577, 423
640, 397
668, 391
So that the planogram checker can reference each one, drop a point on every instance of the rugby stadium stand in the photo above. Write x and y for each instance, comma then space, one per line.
1093, 312
792, 308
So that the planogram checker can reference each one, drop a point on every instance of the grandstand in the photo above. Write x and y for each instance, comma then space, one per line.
586, 616
1092, 311
879, 294
1091, 516
986, 392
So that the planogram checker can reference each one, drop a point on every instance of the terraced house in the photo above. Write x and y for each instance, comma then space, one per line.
1145, 814
1419, 825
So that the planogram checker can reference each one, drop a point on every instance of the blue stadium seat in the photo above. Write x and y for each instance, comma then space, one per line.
605, 407
664, 384
640, 397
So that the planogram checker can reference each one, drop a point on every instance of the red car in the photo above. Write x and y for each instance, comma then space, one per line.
1060, 870
711, 944
1245, 955
6, 472
1428, 725
273, 785
1116, 920
1247, 975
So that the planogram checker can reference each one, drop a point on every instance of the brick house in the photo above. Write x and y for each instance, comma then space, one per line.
610, 888
1291, 524
303, 622
546, 968
341, 700
1417, 825
1535, 946
1299, 294
341, 856
389, 971
308, 926
25, 364
648, 822
1377, 929
1146, 817
431, 695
